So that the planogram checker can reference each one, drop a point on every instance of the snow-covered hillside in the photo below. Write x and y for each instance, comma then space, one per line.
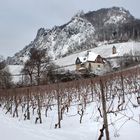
15, 71
103, 50
60, 41
68, 62
82, 32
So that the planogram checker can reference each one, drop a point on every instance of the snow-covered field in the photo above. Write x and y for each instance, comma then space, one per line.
15, 71
122, 128
122, 106
71, 129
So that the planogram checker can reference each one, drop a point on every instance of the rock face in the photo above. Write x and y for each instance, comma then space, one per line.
82, 32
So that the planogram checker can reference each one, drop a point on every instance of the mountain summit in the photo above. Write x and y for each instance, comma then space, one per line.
105, 16
83, 31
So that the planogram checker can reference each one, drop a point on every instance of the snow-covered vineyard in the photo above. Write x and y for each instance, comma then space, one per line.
74, 107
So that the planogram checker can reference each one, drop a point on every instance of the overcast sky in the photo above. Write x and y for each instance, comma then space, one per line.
20, 19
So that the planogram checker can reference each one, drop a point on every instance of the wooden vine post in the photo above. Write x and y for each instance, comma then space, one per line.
103, 100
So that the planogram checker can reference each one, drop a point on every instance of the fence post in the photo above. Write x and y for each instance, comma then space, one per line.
103, 100
58, 107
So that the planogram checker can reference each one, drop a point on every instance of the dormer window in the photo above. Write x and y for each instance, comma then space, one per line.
78, 61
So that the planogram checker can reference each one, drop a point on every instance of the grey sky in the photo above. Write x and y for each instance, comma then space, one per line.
20, 19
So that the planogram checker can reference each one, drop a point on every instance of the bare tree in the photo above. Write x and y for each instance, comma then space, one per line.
5, 76
38, 62
28, 70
